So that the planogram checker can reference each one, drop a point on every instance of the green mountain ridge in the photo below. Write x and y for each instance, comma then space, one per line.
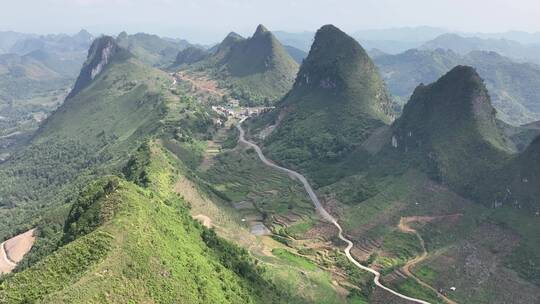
128, 242
510, 83
256, 70
128, 237
337, 100
101, 52
451, 124
190, 55
103, 120
152, 49
505, 47
114, 179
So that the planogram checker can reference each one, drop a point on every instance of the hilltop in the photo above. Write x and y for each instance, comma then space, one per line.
255, 70
450, 126
190, 55
337, 100
509, 82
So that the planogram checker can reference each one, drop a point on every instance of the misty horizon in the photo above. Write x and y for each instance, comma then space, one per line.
209, 21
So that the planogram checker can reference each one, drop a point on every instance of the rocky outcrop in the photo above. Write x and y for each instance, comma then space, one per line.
100, 55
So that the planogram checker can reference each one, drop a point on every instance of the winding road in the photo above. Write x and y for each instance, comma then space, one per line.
323, 213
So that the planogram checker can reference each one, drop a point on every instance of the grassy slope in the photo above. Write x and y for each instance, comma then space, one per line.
337, 101
256, 70
144, 247
89, 135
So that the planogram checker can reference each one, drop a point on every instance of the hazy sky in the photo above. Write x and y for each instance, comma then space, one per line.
209, 20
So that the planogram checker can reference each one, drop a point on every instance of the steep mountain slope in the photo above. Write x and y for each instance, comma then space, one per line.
124, 242
337, 100
447, 166
256, 70
96, 127
297, 54
450, 128
190, 55
524, 176
509, 83
152, 49
100, 54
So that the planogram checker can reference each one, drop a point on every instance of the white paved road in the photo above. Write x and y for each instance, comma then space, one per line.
323, 213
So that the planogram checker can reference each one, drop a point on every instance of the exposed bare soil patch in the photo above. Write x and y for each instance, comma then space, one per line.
205, 220
13, 250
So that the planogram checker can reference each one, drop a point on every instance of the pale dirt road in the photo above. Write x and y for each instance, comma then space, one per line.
324, 214
404, 225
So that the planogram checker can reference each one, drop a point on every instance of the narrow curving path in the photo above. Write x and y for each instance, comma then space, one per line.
323, 213
407, 268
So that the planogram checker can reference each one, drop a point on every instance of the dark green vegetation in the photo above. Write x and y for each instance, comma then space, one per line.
92, 131
114, 176
190, 55
449, 128
337, 101
511, 84
110, 227
447, 163
125, 242
257, 70
118, 240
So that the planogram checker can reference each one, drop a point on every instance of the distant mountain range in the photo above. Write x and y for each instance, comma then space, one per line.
512, 85
152, 49
464, 45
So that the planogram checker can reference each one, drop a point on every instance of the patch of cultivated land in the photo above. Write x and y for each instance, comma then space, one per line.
405, 225
475, 267
13, 250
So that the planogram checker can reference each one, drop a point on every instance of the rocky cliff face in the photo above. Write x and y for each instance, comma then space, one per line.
100, 55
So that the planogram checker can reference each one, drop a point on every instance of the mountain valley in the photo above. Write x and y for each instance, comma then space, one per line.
144, 169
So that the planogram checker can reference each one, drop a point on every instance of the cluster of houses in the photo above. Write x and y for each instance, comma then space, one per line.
240, 112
